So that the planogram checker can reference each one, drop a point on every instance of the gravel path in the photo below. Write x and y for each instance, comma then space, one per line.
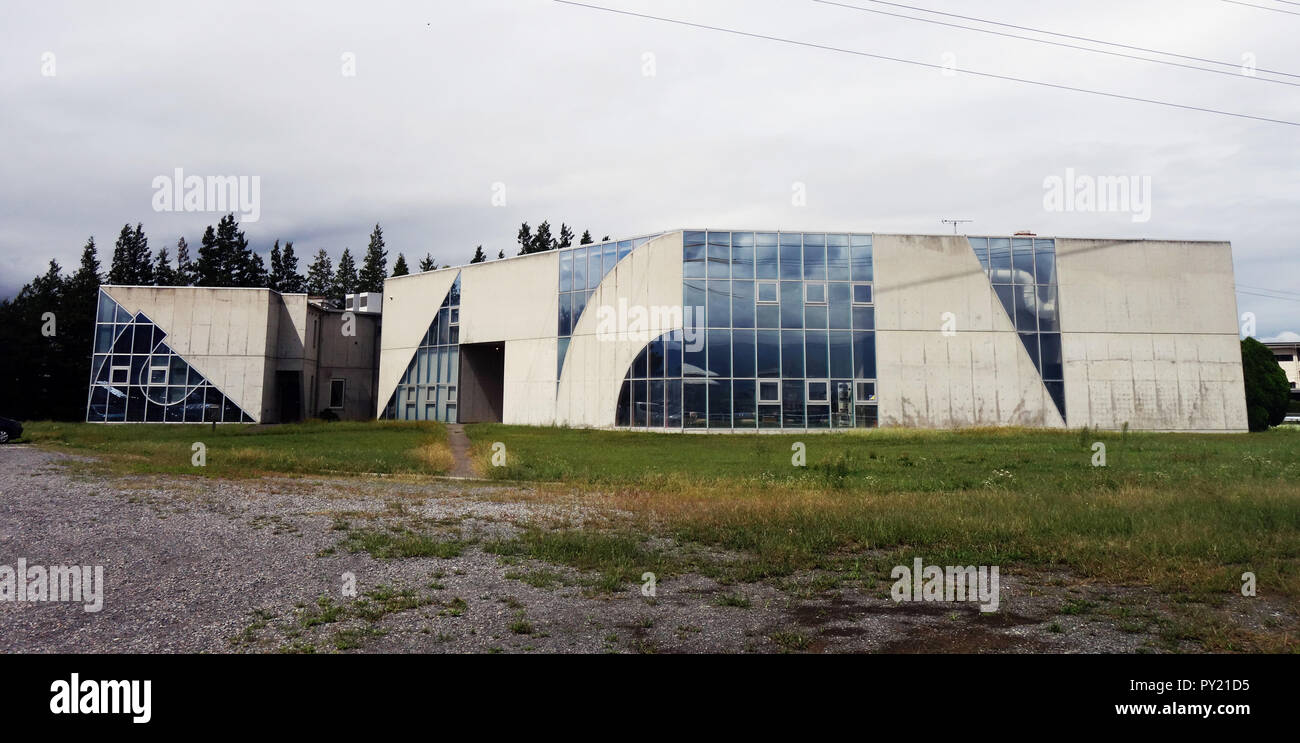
195, 564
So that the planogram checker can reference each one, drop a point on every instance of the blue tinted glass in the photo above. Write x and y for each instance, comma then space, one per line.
579, 304
639, 409
769, 353
594, 271
566, 270
768, 316
743, 403
792, 404
720, 239
765, 238
742, 262
1022, 260
862, 262
792, 353
656, 403
719, 353
693, 261
624, 248
673, 355
791, 261
719, 261
767, 292
695, 410
673, 404
610, 257
837, 260
1047, 314
566, 315
719, 315
864, 355
623, 416
1050, 345
655, 355
719, 404
742, 304
1000, 259
693, 237
814, 259
694, 354
766, 264
1045, 263
840, 303
841, 348
580, 268
862, 294
981, 247
815, 359
791, 304
693, 302
815, 316
742, 353
864, 318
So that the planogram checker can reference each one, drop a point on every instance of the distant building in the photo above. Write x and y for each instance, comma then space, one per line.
195, 354
1288, 357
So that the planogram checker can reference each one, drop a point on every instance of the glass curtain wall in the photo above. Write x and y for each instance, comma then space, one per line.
783, 336
427, 391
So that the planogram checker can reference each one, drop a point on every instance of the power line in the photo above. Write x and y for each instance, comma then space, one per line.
1266, 289
1261, 7
931, 65
1233, 65
1236, 74
1268, 296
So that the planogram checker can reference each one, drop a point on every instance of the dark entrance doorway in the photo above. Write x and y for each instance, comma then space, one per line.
482, 382
288, 390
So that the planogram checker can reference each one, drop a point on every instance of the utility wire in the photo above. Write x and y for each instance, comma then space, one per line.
1236, 74
1261, 7
930, 65
1130, 47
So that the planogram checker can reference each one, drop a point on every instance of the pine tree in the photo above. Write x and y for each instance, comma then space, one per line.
525, 238
566, 236
84, 284
186, 272
399, 266
277, 269
291, 281
542, 241
586, 238
479, 256
345, 278
163, 273
212, 268
374, 267
428, 263
501, 254
320, 275
132, 264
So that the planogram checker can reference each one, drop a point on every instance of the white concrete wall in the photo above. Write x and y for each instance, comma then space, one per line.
1149, 335
223, 333
649, 277
979, 376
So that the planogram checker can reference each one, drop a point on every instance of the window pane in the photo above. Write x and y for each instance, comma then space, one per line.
769, 391
623, 416
815, 316
744, 406
768, 316
719, 404
841, 352
566, 271
840, 303
1022, 259
693, 261
815, 362
656, 356
639, 364
639, 408
791, 304
656, 403
769, 353
719, 304
792, 404
566, 315
673, 355
864, 318
742, 262
742, 353
1045, 261
719, 258
1000, 259
837, 258
791, 261
765, 262
862, 263
742, 304
580, 268
791, 353
694, 354
1051, 350
981, 247
862, 294
719, 353
1047, 322
695, 413
864, 355
767, 291
814, 259
673, 404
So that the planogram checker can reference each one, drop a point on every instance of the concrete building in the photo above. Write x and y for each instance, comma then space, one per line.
1288, 357
718, 330
193, 354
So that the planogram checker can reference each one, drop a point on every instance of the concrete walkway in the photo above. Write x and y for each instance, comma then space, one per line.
458, 442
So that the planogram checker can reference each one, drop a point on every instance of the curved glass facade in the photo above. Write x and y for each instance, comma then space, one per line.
781, 335
427, 390
135, 377
581, 270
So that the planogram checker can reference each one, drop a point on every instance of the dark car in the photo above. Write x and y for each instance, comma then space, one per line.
10, 429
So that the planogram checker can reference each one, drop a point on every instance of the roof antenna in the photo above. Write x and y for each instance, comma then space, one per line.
955, 222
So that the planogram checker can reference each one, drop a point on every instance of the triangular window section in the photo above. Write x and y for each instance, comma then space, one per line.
427, 390
1022, 273
135, 377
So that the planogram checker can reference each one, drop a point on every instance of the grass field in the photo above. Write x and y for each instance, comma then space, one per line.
1182, 513
250, 451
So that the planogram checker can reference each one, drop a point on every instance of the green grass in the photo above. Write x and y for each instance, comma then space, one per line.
400, 543
252, 450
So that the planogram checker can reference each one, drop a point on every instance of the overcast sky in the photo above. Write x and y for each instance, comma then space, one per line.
563, 107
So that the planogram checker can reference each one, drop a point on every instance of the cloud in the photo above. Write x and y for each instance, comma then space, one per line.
1286, 336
